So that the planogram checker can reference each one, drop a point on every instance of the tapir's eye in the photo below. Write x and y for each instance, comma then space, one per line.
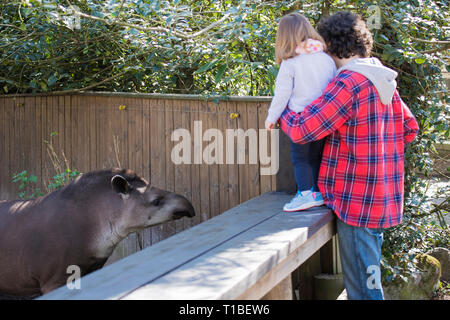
156, 202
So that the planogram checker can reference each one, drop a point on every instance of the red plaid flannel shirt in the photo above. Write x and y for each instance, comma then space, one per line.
362, 171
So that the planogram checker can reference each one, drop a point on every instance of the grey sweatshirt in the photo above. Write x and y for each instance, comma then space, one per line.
382, 77
300, 81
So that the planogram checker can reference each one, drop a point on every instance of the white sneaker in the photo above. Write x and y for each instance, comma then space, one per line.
304, 200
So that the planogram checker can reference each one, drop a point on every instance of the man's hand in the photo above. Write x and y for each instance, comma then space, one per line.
269, 125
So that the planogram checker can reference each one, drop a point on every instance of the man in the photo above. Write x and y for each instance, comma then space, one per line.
366, 125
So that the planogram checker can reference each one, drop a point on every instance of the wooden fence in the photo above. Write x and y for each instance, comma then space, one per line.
103, 130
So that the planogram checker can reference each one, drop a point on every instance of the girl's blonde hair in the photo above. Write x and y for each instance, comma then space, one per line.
293, 29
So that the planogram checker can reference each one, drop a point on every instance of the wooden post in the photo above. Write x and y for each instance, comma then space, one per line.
282, 291
326, 258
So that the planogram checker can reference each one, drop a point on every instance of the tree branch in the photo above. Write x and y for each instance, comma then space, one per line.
88, 87
182, 35
445, 47
431, 41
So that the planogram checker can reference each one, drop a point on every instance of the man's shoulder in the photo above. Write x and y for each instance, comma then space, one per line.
353, 81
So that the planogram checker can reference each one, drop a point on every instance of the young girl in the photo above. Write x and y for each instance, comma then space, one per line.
305, 70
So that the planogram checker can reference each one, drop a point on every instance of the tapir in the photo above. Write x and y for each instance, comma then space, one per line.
79, 224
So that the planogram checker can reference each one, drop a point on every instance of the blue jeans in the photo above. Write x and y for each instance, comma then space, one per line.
306, 160
360, 252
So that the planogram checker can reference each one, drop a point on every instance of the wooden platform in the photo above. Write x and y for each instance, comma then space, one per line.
241, 254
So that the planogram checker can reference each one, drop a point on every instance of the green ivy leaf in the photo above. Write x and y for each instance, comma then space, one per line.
220, 73
207, 66
420, 60
52, 80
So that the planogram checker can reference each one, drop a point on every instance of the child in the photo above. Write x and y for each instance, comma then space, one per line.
305, 71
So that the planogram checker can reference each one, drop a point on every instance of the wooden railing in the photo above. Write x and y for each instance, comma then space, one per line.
249, 252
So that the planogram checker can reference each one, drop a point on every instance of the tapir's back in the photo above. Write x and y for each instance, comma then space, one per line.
13, 224
11, 211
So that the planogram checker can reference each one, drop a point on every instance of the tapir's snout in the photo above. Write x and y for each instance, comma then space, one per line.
183, 208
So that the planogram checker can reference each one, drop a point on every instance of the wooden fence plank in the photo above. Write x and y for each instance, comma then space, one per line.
146, 141
253, 164
30, 146
139, 134
42, 145
68, 129
25, 143
224, 185
146, 235
21, 137
53, 129
182, 170
158, 154
265, 180
16, 166
233, 168
123, 130
84, 134
114, 136
60, 110
178, 123
204, 168
100, 111
195, 168
9, 134
75, 128
10, 116
134, 130
243, 167
166, 110
214, 195
92, 130
186, 167
38, 141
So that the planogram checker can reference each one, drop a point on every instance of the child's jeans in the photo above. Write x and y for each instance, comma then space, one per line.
306, 161
360, 253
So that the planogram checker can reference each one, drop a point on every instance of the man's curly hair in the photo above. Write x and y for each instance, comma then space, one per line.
346, 34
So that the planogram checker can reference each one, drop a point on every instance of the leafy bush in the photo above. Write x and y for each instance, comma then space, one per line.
26, 183
63, 179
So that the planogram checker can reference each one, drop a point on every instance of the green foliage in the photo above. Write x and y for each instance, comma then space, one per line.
28, 183
27, 191
62, 179
202, 47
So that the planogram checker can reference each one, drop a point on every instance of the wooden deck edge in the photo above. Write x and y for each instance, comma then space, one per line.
290, 263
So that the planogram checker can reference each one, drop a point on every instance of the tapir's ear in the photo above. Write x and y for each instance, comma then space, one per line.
120, 185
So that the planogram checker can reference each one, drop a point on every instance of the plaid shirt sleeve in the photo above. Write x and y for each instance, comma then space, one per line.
411, 127
323, 116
